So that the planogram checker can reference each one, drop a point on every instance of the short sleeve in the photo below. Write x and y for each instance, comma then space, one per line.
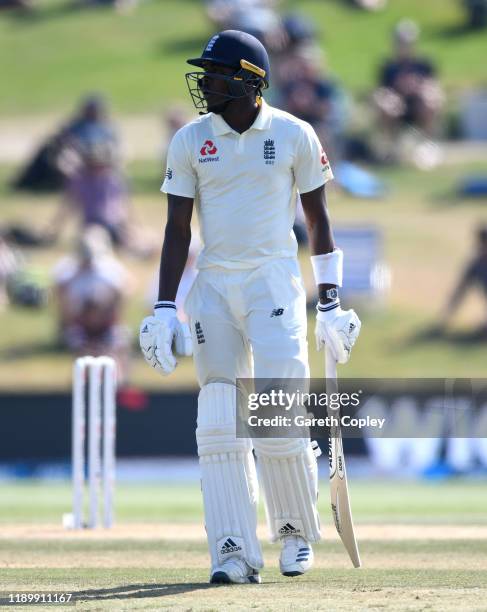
180, 176
311, 166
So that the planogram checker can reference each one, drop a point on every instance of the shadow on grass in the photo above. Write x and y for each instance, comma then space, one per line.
456, 30
13, 353
140, 591
34, 16
473, 337
451, 198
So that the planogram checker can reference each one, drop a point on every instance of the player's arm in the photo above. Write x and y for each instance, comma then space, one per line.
319, 230
163, 331
336, 328
175, 249
158, 333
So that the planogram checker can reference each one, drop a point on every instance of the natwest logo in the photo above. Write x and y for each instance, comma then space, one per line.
207, 152
208, 148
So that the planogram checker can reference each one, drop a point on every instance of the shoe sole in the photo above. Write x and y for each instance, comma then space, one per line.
223, 578
292, 574
220, 578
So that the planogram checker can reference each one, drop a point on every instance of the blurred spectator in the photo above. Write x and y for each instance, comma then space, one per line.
307, 92
298, 40
409, 93
97, 194
91, 123
369, 5
474, 275
122, 6
257, 17
9, 265
303, 87
173, 120
476, 13
59, 156
90, 288
15, 4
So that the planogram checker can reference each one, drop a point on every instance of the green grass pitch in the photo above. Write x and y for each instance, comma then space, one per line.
424, 547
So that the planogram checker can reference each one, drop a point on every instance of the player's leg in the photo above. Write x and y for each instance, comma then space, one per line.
276, 327
228, 476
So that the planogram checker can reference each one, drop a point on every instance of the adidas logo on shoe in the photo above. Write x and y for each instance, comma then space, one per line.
229, 547
303, 554
289, 529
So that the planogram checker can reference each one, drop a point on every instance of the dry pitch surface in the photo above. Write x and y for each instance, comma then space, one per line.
151, 567
409, 564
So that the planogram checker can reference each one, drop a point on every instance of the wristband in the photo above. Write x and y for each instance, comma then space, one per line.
164, 310
328, 268
164, 304
327, 307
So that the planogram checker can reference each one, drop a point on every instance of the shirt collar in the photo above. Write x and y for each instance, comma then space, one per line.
262, 121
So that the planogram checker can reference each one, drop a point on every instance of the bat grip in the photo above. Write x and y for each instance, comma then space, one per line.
330, 365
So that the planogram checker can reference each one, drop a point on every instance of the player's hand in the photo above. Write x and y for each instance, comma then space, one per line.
159, 334
339, 330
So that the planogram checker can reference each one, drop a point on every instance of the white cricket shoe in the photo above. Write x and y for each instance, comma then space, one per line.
235, 571
296, 556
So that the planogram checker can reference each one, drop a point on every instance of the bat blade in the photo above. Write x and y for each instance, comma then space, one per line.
340, 499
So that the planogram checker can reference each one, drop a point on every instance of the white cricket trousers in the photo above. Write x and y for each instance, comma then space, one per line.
248, 323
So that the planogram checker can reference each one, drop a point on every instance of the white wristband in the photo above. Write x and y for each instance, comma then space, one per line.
164, 310
328, 268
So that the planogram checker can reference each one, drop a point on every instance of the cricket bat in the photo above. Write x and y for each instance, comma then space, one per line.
340, 500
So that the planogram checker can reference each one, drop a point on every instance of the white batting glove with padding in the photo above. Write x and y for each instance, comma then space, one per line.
159, 333
336, 328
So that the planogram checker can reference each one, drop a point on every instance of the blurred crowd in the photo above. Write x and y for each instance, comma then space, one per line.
82, 161
89, 285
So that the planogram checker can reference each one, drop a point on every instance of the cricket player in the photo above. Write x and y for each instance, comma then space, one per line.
242, 163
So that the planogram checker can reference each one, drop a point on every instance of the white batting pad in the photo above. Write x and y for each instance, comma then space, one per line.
228, 479
290, 481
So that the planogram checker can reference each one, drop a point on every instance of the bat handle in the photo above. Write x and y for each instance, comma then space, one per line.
330, 364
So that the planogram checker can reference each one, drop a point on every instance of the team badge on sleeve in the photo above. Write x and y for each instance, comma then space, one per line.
324, 159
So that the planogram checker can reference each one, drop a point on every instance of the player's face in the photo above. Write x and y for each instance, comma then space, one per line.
215, 89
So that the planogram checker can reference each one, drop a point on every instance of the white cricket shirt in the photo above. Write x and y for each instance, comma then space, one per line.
245, 185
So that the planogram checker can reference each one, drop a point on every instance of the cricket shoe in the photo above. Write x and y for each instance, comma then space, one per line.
296, 556
235, 571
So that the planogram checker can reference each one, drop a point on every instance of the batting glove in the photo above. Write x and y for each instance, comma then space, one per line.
336, 328
159, 333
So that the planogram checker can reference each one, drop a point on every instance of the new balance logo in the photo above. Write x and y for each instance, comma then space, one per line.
288, 529
229, 547
200, 337
169, 174
277, 312
145, 330
351, 327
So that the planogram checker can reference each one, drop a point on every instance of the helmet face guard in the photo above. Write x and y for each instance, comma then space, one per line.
240, 85
246, 80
